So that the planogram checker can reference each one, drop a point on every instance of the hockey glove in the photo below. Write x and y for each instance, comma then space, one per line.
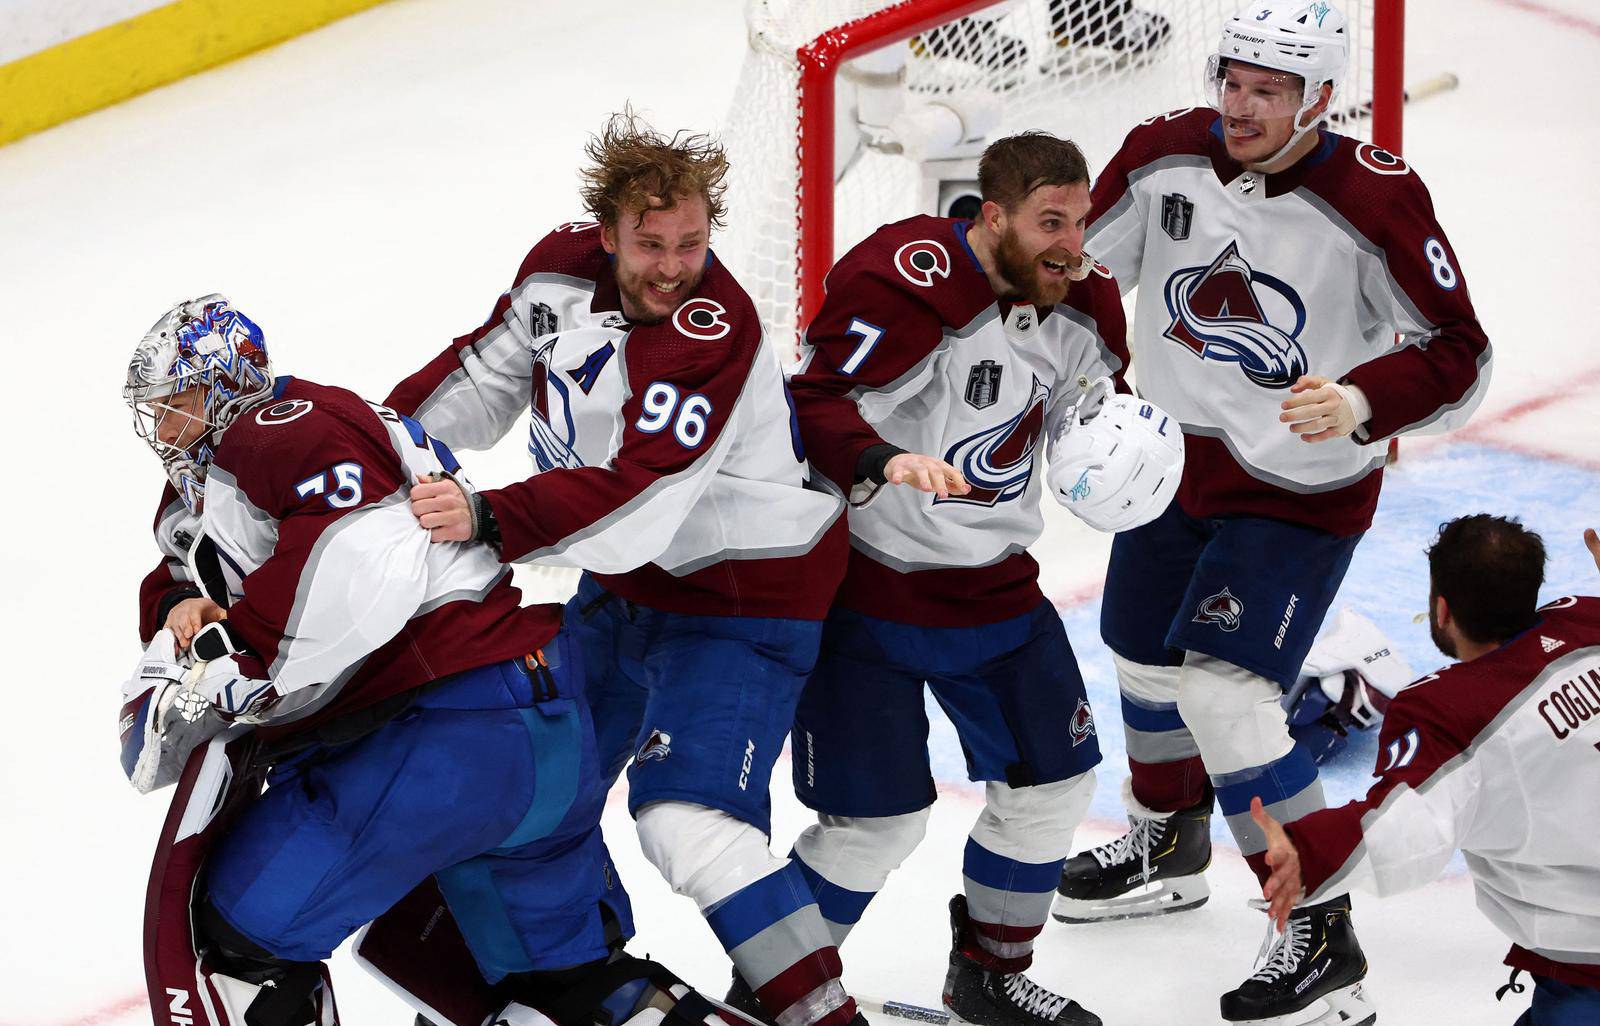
168, 710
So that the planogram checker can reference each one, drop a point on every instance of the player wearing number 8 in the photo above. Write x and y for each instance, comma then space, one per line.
1277, 261
666, 466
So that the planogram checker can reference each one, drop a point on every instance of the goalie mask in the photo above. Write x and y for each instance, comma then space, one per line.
198, 366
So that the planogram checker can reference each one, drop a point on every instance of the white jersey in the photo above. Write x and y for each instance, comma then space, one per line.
1496, 758
911, 349
669, 444
1249, 281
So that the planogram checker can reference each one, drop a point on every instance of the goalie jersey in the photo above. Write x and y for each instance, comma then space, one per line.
333, 593
1249, 281
1495, 757
912, 348
666, 459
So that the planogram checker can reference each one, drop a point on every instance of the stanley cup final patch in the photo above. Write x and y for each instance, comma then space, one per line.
1177, 215
983, 384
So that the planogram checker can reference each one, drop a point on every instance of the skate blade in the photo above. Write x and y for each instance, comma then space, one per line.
1348, 1006
1160, 898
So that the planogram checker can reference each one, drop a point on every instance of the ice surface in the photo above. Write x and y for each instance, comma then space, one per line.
367, 191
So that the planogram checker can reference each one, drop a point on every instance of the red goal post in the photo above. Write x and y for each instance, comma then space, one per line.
805, 186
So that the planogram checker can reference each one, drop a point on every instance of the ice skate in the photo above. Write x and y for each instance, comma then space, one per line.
1157, 867
1312, 974
988, 997
742, 999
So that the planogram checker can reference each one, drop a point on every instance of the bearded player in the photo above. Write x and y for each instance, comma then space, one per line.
412, 717
1277, 262
945, 353
667, 467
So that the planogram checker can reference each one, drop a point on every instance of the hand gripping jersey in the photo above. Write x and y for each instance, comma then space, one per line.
172, 580
1498, 757
912, 348
665, 456
1248, 281
337, 595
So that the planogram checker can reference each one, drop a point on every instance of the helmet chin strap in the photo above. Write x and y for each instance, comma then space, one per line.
1300, 132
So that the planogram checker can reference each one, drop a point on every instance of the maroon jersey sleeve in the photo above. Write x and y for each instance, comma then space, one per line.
317, 476
1416, 740
873, 328
1443, 367
685, 376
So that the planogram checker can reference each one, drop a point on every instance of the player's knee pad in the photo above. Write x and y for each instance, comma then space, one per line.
704, 853
1033, 824
859, 852
1234, 714
253, 986
1152, 685
624, 991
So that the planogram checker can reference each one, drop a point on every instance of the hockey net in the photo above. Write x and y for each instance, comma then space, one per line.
849, 113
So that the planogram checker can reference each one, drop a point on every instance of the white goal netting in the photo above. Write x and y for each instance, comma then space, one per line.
1088, 70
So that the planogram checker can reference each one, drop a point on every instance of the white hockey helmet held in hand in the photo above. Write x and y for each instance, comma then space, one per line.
1120, 469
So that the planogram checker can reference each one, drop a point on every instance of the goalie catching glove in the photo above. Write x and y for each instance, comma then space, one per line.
1115, 460
173, 704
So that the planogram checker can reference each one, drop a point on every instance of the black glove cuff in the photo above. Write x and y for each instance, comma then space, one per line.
215, 640
872, 461
485, 528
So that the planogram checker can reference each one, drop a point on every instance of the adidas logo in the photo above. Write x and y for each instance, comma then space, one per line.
1550, 644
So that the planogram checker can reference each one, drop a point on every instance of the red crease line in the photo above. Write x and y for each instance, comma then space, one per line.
1565, 18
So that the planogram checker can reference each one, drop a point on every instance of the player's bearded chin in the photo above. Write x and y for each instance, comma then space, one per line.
1021, 269
643, 304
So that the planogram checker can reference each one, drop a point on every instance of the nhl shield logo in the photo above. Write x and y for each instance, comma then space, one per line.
1222, 609
983, 384
1082, 728
1177, 214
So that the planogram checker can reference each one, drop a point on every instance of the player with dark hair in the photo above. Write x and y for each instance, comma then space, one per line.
945, 354
1493, 756
412, 718
1276, 263
667, 466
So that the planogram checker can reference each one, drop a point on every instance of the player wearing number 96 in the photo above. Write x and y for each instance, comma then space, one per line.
1276, 263
667, 466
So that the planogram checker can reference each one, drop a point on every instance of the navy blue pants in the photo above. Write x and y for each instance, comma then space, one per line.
1011, 688
1247, 590
695, 707
1561, 1004
494, 794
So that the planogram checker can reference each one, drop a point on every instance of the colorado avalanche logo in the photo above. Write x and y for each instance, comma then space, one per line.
1222, 609
1082, 727
1229, 313
998, 461
922, 262
657, 746
551, 431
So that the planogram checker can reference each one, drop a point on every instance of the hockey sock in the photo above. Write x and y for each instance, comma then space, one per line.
1289, 789
774, 934
1163, 757
1007, 904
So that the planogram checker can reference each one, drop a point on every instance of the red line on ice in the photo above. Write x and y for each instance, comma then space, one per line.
1565, 18
104, 1014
